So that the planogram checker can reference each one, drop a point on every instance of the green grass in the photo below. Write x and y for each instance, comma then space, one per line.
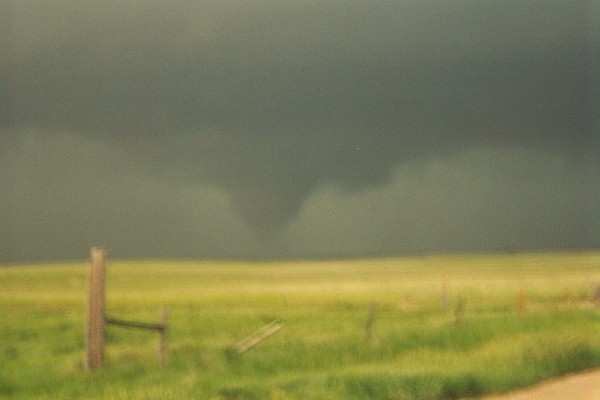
417, 351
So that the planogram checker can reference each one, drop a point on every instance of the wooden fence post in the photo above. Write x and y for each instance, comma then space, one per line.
459, 310
162, 341
596, 296
370, 322
94, 345
444, 293
521, 303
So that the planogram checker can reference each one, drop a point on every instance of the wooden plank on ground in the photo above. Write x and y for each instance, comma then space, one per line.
258, 336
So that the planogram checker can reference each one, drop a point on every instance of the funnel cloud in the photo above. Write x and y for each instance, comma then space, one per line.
200, 129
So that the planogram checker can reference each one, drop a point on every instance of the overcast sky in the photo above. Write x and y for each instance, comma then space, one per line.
276, 129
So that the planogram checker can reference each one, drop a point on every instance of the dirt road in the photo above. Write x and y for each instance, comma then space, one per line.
582, 386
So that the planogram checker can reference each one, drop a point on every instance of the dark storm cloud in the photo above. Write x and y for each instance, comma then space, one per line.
272, 101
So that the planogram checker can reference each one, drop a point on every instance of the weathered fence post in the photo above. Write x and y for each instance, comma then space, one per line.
444, 293
521, 303
162, 341
459, 310
94, 345
596, 296
370, 322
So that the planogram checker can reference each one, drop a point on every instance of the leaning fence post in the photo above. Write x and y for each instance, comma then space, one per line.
94, 345
257, 337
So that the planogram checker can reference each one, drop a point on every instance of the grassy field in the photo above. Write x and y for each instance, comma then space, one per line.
443, 327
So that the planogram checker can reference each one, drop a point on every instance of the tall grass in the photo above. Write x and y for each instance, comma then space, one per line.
526, 317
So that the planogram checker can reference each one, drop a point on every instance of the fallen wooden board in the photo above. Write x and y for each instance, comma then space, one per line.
258, 337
